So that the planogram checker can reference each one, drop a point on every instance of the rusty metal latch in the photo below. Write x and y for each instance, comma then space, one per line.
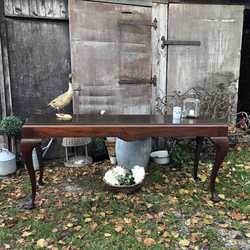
154, 81
154, 24
178, 42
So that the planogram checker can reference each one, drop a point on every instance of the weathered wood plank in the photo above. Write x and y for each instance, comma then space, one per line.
129, 2
159, 56
5, 56
41, 7
219, 29
2, 85
25, 8
8, 7
33, 8
39, 70
17, 7
106, 49
55, 9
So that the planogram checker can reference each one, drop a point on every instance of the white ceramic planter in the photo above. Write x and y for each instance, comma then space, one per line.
160, 157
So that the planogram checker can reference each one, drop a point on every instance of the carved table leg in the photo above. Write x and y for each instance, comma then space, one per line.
40, 160
26, 147
199, 141
221, 146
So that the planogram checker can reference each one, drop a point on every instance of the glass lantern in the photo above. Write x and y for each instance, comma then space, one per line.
191, 108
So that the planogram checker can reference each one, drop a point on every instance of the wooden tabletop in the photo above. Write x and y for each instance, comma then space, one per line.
120, 120
128, 127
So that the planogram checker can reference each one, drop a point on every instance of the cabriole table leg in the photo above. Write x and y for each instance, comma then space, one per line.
221, 146
40, 160
199, 141
26, 147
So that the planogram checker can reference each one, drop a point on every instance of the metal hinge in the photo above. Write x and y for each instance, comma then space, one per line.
153, 80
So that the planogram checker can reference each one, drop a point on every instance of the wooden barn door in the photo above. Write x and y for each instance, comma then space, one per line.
202, 46
111, 57
37, 54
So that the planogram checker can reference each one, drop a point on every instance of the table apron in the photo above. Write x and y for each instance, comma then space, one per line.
124, 132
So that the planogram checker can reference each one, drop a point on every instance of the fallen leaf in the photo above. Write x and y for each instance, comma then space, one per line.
203, 178
184, 243
194, 220
69, 225
236, 215
194, 237
149, 242
118, 229
223, 225
42, 243
188, 222
26, 234
175, 234
248, 235
222, 196
127, 221
173, 200
54, 230
93, 227
208, 220
184, 191
78, 228
87, 220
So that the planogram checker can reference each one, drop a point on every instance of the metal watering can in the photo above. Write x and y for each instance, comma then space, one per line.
7, 162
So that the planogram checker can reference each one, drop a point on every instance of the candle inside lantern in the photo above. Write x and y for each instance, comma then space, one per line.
191, 112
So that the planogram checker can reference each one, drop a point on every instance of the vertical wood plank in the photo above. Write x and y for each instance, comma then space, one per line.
17, 7
59, 9
33, 8
8, 7
2, 86
25, 8
41, 8
6, 70
49, 8
159, 55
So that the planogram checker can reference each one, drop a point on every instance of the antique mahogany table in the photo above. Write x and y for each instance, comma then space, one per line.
126, 127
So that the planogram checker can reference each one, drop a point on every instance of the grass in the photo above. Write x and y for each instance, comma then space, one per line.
171, 211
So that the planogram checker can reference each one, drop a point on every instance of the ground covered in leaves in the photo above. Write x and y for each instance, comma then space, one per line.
171, 211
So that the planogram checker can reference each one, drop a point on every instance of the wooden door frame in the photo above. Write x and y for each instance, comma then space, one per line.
5, 81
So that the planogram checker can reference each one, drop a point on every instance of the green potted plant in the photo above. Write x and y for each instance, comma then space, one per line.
10, 126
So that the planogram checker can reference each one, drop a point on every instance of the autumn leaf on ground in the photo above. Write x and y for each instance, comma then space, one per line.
149, 242
42, 243
184, 243
87, 220
236, 215
26, 234
208, 220
118, 229
93, 227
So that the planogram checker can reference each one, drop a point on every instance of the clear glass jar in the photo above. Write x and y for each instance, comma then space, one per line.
191, 108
